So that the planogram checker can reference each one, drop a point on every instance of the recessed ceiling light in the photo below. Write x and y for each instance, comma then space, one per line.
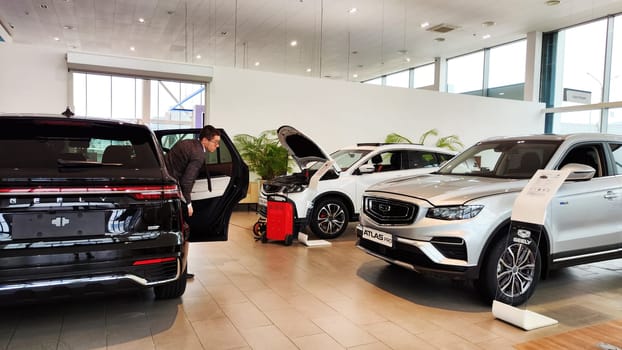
132, 48
407, 59
355, 75
56, 38
69, 27
354, 52
308, 70
403, 51
486, 36
257, 64
424, 24
198, 57
440, 39
293, 43
552, 2
488, 23
352, 10
141, 20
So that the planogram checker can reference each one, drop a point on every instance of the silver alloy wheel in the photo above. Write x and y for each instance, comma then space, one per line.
515, 270
331, 218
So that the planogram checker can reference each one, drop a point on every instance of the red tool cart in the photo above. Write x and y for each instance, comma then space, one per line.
279, 224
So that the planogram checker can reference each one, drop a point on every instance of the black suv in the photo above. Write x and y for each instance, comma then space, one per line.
89, 202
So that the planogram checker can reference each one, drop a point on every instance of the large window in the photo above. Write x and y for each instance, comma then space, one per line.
581, 62
586, 87
157, 103
423, 76
399, 79
465, 74
495, 72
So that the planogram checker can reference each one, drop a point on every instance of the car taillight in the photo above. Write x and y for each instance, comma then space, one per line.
155, 192
152, 261
137, 192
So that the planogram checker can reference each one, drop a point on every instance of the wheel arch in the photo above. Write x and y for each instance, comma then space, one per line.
501, 231
339, 195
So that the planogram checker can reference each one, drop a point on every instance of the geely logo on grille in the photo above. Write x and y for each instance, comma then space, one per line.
60, 221
384, 207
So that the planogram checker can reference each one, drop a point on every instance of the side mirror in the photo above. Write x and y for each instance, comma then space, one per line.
579, 172
367, 169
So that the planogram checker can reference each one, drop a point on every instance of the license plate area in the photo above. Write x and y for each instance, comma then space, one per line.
379, 237
59, 224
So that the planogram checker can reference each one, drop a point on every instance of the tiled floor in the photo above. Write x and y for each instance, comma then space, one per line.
249, 295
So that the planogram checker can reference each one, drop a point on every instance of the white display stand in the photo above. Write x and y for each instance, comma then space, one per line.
303, 238
530, 207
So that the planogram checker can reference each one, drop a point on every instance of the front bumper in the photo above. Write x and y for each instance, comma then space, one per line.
421, 256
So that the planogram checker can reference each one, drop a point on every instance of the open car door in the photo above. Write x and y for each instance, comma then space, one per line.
229, 177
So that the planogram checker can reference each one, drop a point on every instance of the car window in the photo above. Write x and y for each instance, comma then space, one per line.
73, 149
421, 159
387, 161
616, 149
219, 162
503, 159
344, 158
588, 154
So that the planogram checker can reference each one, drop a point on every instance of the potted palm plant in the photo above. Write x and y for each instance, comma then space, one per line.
263, 153
451, 142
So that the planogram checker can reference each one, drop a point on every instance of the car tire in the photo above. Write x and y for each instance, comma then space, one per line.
330, 218
510, 273
172, 289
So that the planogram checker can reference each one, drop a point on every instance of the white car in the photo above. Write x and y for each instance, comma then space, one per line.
327, 192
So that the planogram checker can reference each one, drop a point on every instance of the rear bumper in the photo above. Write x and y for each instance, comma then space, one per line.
142, 263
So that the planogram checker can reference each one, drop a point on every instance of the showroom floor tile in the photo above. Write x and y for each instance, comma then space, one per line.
249, 295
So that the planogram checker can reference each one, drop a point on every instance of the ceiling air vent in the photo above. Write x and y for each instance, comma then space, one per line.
442, 28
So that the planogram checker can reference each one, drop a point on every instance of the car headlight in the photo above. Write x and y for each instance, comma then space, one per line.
293, 188
459, 212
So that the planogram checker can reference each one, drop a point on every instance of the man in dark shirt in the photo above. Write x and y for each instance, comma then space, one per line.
186, 159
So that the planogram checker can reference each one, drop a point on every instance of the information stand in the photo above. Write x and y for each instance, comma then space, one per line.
528, 214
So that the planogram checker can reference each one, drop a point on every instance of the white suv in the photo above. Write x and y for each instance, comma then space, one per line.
456, 221
327, 193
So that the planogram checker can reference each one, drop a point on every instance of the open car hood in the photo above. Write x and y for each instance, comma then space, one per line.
302, 149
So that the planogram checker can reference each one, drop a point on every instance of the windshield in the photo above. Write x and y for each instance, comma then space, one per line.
502, 159
344, 158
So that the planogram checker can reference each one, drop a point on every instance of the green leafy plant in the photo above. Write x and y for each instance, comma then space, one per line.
451, 142
263, 153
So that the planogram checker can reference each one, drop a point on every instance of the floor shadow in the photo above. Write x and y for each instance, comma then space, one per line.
454, 295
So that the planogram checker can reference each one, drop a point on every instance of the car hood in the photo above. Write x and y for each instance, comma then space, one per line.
449, 189
301, 148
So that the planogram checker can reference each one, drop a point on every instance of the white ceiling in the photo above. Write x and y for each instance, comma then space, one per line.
332, 42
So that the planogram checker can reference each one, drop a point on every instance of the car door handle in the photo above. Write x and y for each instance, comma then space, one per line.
610, 195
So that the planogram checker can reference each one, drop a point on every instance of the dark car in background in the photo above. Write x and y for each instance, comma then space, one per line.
87, 202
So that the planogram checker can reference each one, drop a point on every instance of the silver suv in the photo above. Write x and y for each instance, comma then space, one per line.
455, 222
327, 192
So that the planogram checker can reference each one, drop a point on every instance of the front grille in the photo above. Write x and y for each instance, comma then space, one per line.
270, 188
387, 211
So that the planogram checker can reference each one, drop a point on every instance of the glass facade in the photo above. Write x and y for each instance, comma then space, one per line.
169, 104
585, 84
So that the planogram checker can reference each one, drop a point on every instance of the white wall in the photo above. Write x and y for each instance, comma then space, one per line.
334, 113
337, 113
